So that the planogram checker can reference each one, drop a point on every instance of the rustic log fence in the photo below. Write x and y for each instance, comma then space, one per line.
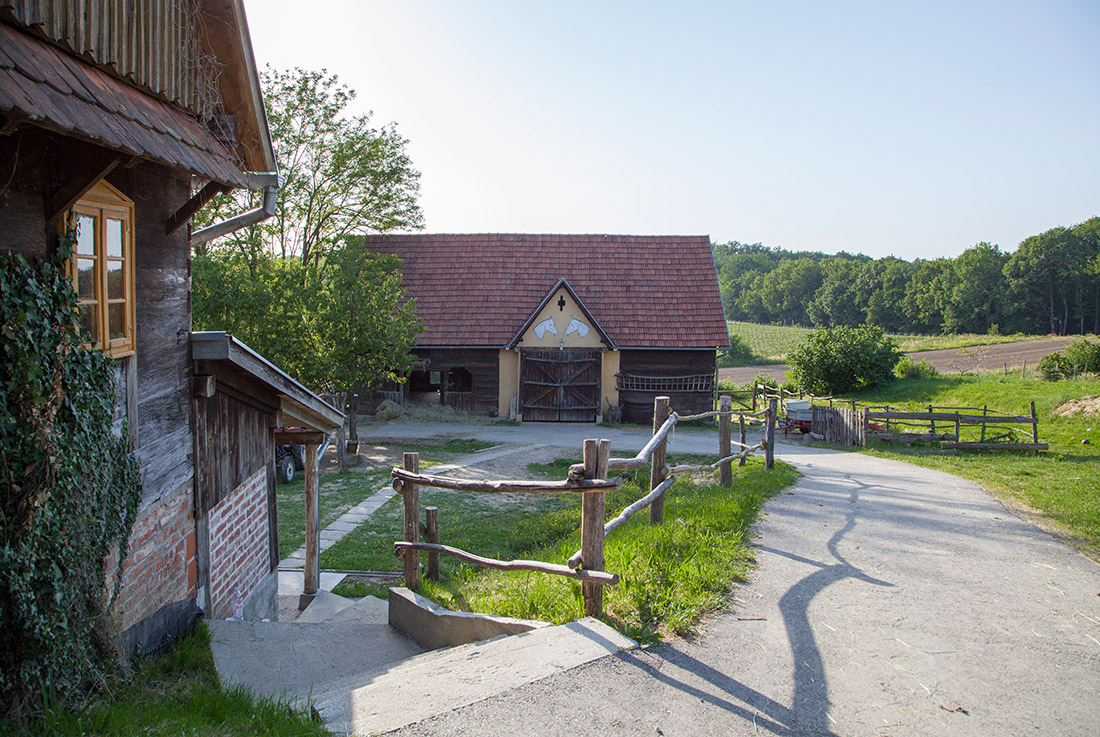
856, 425
590, 479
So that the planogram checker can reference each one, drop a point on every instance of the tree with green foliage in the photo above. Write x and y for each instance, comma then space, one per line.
69, 491
844, 359
299, 287
341, 176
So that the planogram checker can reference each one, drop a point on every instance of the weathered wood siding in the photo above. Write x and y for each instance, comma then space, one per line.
638, 405
153, 43
483, 365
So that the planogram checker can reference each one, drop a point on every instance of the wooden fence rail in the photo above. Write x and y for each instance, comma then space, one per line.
590, 479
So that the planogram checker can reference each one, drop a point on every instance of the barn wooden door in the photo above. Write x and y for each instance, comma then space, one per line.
560, 386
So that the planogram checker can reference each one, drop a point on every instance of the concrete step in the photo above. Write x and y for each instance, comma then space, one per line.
298, 658
439, 681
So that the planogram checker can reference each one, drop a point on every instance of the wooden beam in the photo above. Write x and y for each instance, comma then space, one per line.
193, 205
204, 386
411, 493
596, 455
725, 404
657, 470
594, 577
79, 183
403, 476
996, 446
299, 437
313, 531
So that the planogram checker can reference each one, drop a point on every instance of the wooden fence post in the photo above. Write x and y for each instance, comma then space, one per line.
725, 406
1034, 426
431, 535
931, 420
312, 574
985, 409
412, 522
596, 455
957, 427
754, 395
769, 436
741, 423
657, 462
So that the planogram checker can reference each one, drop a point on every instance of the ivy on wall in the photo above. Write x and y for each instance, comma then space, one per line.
69, 491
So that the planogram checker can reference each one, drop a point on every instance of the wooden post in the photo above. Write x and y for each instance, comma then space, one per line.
725, 406
313, 531
431, 535
769, 436
985, 408
741, 437
754, 395
412, 522
931, 420
596, 455
957, 427
1034, 424
657, 462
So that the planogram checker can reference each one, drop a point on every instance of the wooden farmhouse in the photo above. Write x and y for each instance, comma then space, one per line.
560, 328
130, 114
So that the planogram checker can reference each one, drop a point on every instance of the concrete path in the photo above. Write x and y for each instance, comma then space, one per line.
889, 600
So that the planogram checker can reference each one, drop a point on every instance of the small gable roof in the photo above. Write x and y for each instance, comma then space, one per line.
482, 289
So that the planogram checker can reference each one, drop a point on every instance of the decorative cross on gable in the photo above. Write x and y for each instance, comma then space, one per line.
561, 303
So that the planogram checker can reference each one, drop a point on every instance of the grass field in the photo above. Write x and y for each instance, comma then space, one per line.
772, 343
1061, 486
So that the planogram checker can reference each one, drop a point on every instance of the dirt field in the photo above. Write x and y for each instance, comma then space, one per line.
949, 361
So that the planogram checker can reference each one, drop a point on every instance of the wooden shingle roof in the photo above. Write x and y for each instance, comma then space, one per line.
480, 289
44, 86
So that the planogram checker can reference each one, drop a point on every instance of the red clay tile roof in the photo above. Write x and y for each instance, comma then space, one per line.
479, 290
47, 87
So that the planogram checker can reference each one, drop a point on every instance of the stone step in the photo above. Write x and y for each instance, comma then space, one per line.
299, 658
443, 680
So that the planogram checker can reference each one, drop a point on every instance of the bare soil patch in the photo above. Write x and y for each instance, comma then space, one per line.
1085, 406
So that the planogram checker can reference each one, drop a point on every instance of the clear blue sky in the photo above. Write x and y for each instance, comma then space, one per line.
915, 129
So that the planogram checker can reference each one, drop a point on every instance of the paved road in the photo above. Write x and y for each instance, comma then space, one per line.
889, 600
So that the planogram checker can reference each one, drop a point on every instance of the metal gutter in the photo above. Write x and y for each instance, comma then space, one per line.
270, 182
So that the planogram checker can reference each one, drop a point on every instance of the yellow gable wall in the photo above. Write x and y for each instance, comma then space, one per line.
561, 316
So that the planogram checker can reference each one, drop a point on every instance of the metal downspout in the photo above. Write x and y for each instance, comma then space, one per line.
270, 181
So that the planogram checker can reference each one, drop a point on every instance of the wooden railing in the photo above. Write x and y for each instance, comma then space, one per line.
590, 479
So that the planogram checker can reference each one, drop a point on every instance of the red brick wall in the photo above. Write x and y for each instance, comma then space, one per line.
161, 566
239, 552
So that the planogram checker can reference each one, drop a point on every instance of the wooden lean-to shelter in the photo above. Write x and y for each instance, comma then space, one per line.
127, 116
560, 328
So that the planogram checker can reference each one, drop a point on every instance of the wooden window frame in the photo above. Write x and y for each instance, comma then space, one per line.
102, 203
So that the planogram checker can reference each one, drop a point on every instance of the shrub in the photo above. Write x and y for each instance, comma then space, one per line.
1054, 367
843, 359
1083, 357
69, 491
907, 368
738, 354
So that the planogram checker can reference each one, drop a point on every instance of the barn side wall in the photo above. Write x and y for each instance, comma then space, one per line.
670, 364
484, 367
239, 557
157, 599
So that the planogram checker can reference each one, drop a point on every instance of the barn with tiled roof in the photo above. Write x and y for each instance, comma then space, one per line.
562, 327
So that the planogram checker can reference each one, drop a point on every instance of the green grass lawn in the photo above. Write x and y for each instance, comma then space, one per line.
1062, 485
178, 694
339, 492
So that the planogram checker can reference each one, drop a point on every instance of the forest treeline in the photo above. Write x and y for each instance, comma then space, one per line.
1049, 284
